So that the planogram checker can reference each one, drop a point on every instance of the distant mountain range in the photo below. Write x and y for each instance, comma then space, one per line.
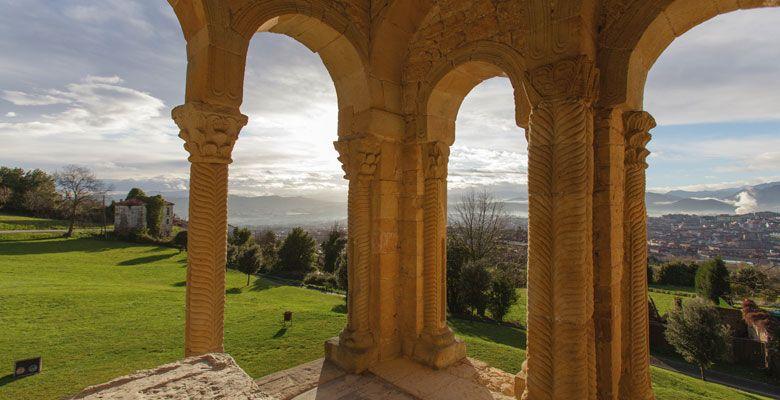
737, 200
286, 211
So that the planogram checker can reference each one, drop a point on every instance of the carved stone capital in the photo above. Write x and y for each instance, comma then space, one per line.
209, 132
436, 158
568, 79
637, 125
359, 156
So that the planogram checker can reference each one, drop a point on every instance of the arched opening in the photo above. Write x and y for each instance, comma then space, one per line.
475, 109
286, 156
710, 86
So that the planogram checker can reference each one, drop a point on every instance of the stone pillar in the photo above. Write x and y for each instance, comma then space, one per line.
561, 345
608, 248
355, 348
209, 132
635, 381
437, 346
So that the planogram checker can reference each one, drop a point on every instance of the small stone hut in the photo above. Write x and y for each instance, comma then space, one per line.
130, 215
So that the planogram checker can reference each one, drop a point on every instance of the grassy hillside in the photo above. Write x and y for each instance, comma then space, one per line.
96, 310
9, 222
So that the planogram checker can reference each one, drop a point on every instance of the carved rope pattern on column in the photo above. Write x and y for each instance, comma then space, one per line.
359, 159
206, 254
209, 133
435, 173
561, 352
637, 126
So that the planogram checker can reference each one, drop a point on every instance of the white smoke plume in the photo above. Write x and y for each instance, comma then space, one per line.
746, 203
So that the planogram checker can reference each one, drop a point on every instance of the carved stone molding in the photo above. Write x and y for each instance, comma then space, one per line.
637, 126
209, 132
571, 78
437, 155
359, 156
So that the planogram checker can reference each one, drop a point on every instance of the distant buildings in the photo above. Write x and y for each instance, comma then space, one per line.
749, 238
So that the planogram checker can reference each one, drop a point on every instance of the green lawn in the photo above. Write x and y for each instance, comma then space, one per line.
99, 309
9, 222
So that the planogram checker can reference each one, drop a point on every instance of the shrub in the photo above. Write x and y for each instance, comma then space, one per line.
677, 274
180, 241
296, 255
501, 297
322, 279
696, 332
475, 283
457, 255
712, 280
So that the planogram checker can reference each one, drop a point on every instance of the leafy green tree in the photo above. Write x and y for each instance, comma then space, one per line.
331, 248
249, 260
712, 280
748, 281
342, 272
457, 257
475, 283
155, 206
269, 244
697, 333
240, 237
501, 297
677, 273
297, 254
32, 192
136, 193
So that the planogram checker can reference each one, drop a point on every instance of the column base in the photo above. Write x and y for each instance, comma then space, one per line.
439, 350
350, 358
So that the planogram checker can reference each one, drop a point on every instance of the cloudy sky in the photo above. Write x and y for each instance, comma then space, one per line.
92, 82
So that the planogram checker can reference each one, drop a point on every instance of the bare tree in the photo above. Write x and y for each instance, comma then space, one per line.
477, 222
80, 187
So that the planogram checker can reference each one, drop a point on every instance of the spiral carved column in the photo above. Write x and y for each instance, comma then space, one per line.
437, 345
210, 133
355, 348
561, 347
635, 383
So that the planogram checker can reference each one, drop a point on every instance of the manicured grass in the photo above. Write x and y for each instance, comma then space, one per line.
9, 222
96, 310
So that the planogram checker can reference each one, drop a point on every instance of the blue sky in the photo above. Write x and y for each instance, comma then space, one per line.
92, 82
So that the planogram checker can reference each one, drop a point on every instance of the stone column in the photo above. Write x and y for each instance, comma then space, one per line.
437, 346
210, 133
561, 346
355, 348
635, 381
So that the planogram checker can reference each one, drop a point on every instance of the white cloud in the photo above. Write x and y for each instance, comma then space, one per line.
32, 99
746, 203
723, 70
10, 114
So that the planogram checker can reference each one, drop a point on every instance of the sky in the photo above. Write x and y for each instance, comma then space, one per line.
92, 83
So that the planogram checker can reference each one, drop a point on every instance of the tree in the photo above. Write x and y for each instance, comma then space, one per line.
457, 257
180, 241
342, 272
249, 261
297, 254
748, 281
332, 247
136, 193
712, 280
677, 273
501, 297
31, 192
155, 207
240, 237
696, 332
475, 283
270, 247
80, 187
477, 222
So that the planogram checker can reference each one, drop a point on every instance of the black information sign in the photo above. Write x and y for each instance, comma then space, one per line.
30, 366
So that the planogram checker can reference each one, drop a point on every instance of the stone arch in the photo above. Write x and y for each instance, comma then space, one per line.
442, 93
635, 39
325, 31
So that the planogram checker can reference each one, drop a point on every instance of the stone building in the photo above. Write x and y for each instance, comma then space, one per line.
130, 215
401, 69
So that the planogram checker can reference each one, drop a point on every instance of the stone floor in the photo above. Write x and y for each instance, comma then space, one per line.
217, 376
